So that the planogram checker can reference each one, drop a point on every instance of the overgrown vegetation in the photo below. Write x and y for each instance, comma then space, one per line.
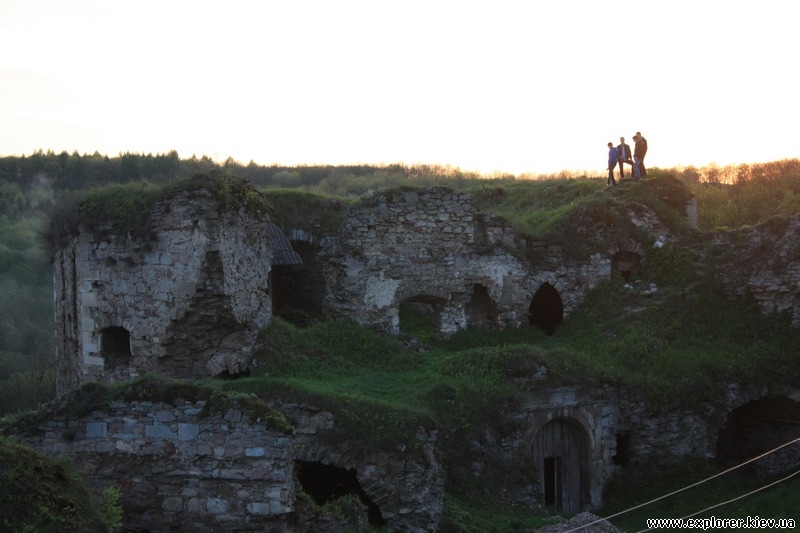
39, 493
126, 208
672, 349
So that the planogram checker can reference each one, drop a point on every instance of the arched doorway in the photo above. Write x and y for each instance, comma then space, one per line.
758, 427
546, 310
561, 454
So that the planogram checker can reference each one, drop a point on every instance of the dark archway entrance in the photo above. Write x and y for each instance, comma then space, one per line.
480, 310
298, 289
327, 483
758, 427
561, 454
115, 346
546, 310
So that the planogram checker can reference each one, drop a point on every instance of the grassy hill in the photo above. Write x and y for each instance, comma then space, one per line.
672, 349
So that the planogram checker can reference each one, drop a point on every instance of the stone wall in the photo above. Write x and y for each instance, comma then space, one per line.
187, 301
433, 247
176, 467
764, 262
182, 465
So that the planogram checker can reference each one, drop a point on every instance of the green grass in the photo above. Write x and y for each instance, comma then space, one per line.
645, 483
41, 494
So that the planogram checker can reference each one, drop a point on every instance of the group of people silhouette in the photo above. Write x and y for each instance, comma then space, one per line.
621, 154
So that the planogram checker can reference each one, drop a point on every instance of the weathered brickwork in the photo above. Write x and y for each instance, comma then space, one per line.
180, 466
764, 262
432, 246
187, 302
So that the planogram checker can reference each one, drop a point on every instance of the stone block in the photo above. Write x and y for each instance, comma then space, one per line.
259, 508
216, 505
96, 430
188, 432
158, 431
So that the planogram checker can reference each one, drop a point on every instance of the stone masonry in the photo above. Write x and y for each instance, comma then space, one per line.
183, 466
432, 246
188, 302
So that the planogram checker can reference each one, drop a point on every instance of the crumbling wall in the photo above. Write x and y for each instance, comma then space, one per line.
191, 297
197, 465
764, 262
432, 245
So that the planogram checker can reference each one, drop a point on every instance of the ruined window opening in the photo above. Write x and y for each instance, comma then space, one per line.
115, 346
552, 482
622, 455
481, 310
298, 290
626, 263
326, 483
546, 310
420, 317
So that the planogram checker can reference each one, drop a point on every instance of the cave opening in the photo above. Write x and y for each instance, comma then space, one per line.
326, 483
757, 427
547, 309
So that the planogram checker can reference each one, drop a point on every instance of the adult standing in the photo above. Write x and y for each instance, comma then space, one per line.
643, 171
638, 149
624, 156
612, 164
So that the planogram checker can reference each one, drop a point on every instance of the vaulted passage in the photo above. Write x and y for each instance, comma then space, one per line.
758, 427
546, 310
115, 346
561, 454
327, 483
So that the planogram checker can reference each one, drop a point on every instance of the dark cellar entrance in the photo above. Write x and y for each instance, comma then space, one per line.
298, 289
758, 427
546, 310
326, 483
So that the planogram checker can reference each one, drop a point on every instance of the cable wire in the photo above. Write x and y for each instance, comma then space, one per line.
732, 499
685, 488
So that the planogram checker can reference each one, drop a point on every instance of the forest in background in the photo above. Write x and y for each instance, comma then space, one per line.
33, 187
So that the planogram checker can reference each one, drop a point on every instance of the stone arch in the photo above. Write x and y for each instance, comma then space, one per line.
326, 483
626, 263
481, 311
115, 346
546, 310
561, 453
758, 427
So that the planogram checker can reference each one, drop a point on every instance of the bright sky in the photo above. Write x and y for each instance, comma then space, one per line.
497, 85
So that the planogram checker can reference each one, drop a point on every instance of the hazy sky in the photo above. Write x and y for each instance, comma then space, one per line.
513, 86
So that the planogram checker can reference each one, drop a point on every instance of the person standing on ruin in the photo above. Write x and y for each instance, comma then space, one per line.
624, 156
641, 146
637, 158
612, 164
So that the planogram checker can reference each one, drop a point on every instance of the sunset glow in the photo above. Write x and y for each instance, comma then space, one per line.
511, 86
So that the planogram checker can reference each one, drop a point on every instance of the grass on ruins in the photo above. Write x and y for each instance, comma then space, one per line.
672, 352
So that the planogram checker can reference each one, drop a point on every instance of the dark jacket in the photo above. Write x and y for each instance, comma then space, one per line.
624, 152
640, 148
